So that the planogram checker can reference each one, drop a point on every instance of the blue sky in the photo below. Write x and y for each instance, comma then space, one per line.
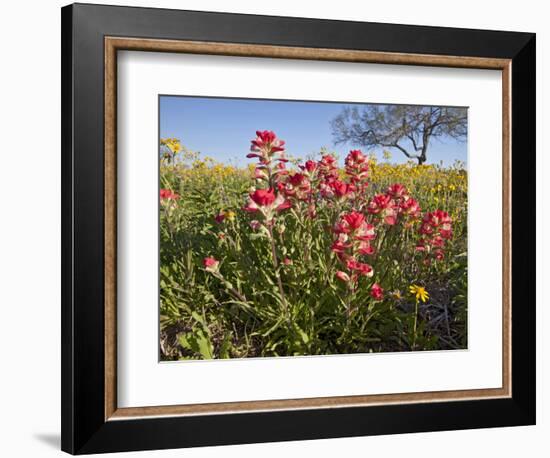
222, 128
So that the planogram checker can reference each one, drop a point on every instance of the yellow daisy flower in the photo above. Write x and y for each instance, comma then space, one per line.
419, 292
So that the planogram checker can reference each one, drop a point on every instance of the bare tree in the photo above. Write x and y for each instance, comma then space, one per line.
406, 128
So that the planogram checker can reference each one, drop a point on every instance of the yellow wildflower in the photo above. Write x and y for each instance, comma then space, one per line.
172, 143
419, 292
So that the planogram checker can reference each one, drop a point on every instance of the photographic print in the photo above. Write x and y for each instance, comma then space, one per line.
334, 205
300, 228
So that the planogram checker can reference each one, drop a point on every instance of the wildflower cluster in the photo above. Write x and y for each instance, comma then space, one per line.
435, 229
312, 257
357, 168
330, 185
353, 236
270, 168
320, 184
395, 202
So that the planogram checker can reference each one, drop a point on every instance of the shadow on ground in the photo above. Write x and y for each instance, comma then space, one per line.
51, 439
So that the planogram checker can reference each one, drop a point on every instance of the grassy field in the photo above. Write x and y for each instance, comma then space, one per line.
287, 258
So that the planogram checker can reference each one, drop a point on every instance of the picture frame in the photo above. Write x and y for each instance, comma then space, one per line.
92, 35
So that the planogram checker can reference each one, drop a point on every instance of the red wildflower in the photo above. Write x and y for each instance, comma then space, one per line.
310, 166
365, 248
297, 179
356, 156
210, 263
410, 207
420, 245
340, 245
354, 219
327, 168
342, 276
265, 201
378, 203
377, 292
166, 194
260, 173
437, 228
283, 205
439, 220
360, 267
328, 160
355, 223
263, 197
357, 166
266, 140
438, 241
297, 186
365, 232
280, 168
397, 190
341, 189
383, 206
426, 229
341, 227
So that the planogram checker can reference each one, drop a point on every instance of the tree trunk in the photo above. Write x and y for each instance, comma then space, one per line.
422, 157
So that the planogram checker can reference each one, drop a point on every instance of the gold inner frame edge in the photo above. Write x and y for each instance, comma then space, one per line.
114, 44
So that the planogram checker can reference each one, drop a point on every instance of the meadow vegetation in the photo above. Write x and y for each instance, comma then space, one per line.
325, 256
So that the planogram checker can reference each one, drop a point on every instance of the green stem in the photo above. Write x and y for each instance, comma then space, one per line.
415, 323
167, 220
277, 273
231, 289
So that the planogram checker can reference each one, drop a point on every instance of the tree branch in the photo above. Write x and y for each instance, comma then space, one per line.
400, 148
411, 138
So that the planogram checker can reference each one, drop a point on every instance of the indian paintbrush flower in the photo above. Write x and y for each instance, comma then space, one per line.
342, 276
435, 230
265, 147
266, 202
211, 264
357, 166
377, 292
166, 194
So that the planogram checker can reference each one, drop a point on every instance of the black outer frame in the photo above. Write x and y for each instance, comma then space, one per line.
84, 429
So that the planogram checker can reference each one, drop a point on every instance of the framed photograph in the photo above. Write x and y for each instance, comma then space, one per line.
283, 228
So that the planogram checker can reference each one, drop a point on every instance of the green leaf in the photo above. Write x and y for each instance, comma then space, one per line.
198, 343
225, 346
303, 335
